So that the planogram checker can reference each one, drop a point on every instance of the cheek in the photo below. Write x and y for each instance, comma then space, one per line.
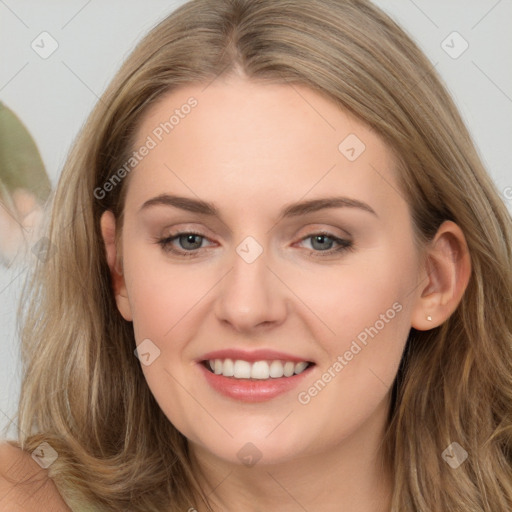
163, 300
363, 311
161, 294
350, 297
369, 315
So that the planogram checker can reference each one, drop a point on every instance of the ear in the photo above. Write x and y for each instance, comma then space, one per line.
445, 277
108, 232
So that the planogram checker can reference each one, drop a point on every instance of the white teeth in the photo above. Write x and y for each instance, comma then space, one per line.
228, 368
289, 368
276, 369
300, 367
242, 369
260, 370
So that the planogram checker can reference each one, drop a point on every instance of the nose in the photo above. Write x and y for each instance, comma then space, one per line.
250, 297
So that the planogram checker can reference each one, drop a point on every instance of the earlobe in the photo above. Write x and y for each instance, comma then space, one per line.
108, 233
446, 274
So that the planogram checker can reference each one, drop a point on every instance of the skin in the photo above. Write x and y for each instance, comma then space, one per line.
24, 485
252, 149
20, 219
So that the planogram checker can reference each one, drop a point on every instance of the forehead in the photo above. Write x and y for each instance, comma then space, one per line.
239, 139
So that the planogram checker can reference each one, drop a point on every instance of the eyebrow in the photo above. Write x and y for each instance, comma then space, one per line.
293, 210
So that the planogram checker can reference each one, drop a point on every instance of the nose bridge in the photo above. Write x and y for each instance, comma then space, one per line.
250, 294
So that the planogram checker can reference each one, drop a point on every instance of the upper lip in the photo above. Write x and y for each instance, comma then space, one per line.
251, 356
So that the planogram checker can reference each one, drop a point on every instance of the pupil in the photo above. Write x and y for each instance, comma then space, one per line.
322, 240
190, 240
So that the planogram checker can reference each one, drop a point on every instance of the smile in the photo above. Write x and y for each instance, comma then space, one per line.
261, 370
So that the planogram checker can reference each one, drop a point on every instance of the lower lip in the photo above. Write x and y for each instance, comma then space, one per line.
252, 390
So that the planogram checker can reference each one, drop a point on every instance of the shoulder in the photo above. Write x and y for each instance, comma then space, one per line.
24, 485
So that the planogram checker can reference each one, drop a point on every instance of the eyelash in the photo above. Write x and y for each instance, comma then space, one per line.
344, 245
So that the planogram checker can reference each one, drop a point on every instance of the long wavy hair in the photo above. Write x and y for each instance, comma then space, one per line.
83, 391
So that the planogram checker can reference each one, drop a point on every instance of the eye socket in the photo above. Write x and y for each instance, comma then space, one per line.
191, 242
319, 242
187, 240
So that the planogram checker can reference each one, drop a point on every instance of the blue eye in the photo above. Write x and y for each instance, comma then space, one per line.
323, 243
190, 241
189, 244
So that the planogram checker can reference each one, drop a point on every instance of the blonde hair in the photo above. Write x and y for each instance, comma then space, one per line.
83, 390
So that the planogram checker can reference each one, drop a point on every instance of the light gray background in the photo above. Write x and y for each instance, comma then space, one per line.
53, 96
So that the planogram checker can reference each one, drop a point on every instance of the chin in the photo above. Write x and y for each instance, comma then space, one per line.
253, 447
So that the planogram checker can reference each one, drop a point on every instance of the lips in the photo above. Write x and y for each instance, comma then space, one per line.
251, 356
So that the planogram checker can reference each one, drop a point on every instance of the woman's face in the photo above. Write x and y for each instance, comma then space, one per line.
265, 232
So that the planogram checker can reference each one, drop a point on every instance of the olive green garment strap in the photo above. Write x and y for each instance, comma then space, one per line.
79, 506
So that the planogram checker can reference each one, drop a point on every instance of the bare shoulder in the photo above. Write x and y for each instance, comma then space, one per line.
24, 485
